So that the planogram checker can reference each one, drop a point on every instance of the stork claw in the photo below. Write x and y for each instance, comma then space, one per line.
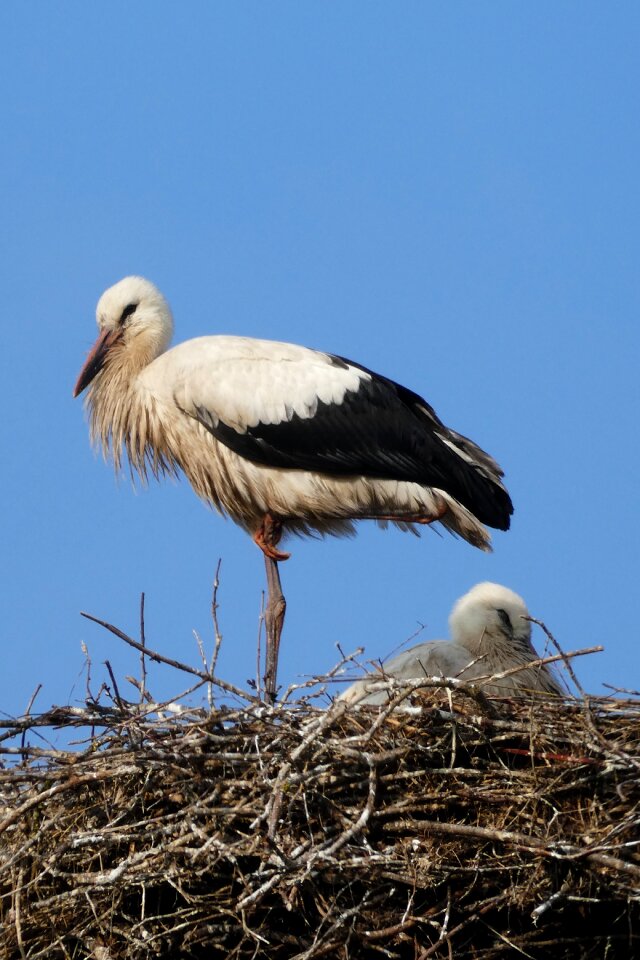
270, 551
267, 537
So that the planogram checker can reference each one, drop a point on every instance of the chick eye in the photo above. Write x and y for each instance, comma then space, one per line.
504, 616
128, 310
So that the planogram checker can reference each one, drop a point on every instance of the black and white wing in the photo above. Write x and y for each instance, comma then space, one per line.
286, 406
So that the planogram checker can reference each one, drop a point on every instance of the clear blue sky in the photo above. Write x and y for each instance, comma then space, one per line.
447, 193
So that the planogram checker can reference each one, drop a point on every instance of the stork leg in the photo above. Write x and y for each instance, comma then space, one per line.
274, 621
267, 537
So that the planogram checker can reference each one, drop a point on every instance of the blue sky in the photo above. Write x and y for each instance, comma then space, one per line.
447, 193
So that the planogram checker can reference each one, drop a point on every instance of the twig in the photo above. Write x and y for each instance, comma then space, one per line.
488, 905
203, 657
565, 657
116, 692
70, 784
26, 714
316, 727
143, 644
543, 661
130, 844
325, 678
17, 913
214, 615
551, 901
555, 851
406, 687
354, 829
160, 658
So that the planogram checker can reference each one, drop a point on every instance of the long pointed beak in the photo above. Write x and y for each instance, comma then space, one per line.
95, 360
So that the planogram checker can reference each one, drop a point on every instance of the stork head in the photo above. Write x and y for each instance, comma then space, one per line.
135, 326
490, 614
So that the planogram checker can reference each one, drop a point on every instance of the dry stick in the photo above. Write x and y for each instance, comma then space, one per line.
152, 706
355, 828
160, 658
135, 738
214, 616
116, 692
70, 784
210, 665
510, 943
27, 712
470, 687
565, 658
353, 656
203, 657
317, 948
248, 900
20, 854
568, 851
607, 747
406, 687
429, 952
625, 690
391, 931
543, 661
550, 901
143, 644
324, 679
604, 744
17, 912
274, 803
121, 704
81, 717
587, 711
85, 650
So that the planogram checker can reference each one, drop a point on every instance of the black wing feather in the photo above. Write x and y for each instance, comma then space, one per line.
380, 430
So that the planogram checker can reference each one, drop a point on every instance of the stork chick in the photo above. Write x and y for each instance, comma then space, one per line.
279, 437
489, 635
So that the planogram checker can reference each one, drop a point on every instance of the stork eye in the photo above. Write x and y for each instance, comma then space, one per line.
504, 616
126, 313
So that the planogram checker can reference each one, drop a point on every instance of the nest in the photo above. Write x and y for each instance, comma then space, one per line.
458, 827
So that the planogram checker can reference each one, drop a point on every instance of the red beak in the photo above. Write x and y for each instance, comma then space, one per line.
95, 360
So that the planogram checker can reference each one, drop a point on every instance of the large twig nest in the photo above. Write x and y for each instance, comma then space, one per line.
463, 827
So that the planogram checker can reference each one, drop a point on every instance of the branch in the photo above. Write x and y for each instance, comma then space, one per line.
160, 658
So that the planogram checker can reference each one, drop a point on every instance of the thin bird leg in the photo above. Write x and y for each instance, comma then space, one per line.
274, 620
267, 536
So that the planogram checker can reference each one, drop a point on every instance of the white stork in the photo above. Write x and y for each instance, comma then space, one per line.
279, 437
489, 635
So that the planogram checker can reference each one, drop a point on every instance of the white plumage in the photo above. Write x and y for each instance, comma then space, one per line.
261, 427
489, 635
279, 437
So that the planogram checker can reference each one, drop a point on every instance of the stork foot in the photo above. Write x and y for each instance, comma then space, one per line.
267, 537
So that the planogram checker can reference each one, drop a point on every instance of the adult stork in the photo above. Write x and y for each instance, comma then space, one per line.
279, 437
490, 634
